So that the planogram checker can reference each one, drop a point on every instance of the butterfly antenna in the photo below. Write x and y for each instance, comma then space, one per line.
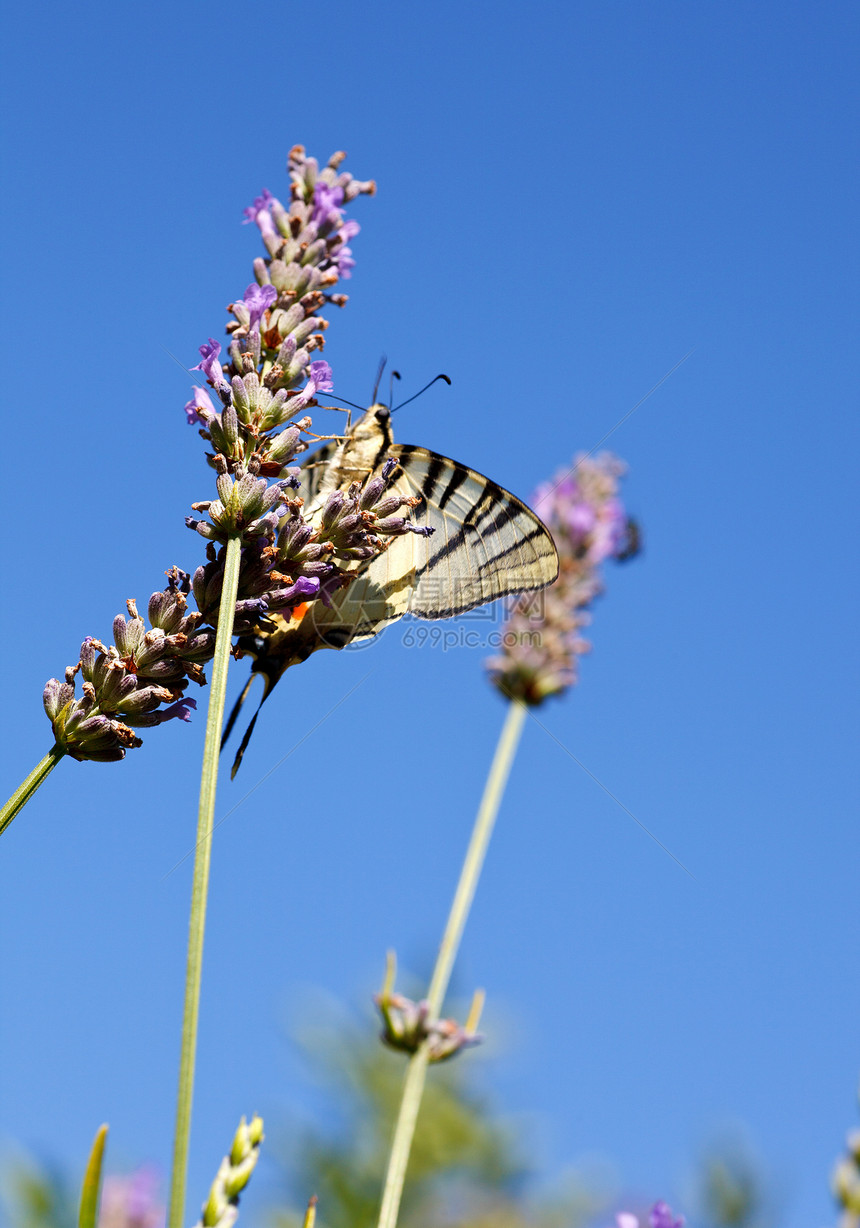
424, 389
394, 375
351, 404
383, 360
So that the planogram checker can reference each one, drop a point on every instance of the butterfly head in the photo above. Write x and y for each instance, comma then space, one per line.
374, 427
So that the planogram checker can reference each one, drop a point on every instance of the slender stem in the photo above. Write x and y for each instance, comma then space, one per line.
28, 787
200, 883
413, 1086
476, 852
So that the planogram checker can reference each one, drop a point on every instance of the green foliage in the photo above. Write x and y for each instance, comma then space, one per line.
36, 1197
731, 1187
467, 1167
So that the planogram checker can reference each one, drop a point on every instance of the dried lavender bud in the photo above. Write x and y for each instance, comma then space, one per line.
541, 639
244, 506
125, 684
407, 1025
283, 447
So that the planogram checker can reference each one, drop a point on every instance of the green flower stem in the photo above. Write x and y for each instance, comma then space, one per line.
413, 1086
27, 788
200, 882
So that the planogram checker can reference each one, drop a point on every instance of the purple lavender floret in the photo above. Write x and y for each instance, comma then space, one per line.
306, 588
132, 1201
209, 363
199, 400
261, 202
321, 376
344, 262
258, 300
327, 200
661, 1216
182, 710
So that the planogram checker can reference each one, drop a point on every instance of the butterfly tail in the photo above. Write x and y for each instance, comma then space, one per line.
270, 681
243, 745
237, 708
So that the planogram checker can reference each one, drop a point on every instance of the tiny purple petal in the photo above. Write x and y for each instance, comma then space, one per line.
181, 709
306, 588
131, 1201
261, 202
661, 1216
581, 518
327, 201
209, 364
320, 373
199, 400
258, 299
344, 262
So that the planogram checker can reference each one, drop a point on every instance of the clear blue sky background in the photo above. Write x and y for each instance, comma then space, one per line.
571, 197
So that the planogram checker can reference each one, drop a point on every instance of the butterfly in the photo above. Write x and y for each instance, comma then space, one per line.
486, 543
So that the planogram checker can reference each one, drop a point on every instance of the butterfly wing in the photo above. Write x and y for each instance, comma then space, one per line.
486, 543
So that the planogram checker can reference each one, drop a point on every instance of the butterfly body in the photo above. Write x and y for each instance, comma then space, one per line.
332, 467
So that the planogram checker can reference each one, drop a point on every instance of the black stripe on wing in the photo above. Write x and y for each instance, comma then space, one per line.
487, 543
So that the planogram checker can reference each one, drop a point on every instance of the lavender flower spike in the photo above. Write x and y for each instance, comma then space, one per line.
542, 638
407, 1025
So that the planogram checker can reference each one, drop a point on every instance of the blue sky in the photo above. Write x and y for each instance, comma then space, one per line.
571, 198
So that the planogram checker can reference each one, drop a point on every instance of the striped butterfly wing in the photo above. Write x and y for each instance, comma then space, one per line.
486, 544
